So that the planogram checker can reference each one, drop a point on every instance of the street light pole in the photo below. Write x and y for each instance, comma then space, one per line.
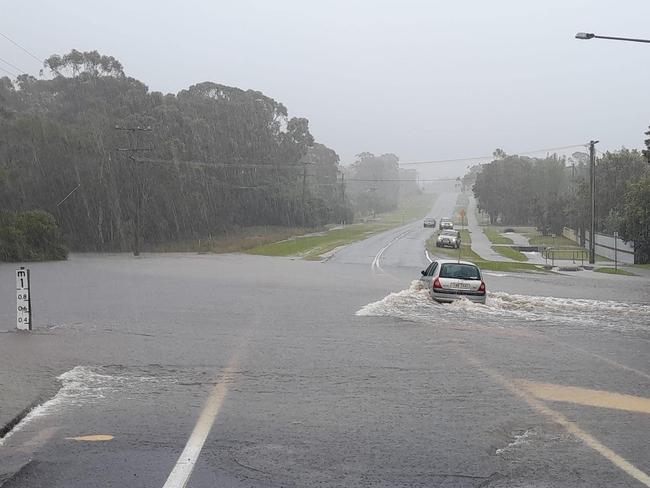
588, 35
592, 195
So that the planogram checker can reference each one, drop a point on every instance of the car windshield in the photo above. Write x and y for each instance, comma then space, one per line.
449, 233
460, 271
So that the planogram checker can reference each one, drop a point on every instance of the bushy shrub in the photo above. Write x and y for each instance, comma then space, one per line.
30, 236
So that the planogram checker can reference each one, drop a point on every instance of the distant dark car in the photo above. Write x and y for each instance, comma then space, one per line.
430, 223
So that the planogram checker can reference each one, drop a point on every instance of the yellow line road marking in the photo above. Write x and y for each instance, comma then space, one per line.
182, 471
584, 396
91, 438
561, 420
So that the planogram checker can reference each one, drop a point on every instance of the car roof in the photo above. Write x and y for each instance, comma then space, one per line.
454, 261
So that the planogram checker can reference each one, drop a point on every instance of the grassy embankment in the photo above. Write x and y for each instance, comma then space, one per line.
313, 246
468, 254
236, 240
502, 245
618, 271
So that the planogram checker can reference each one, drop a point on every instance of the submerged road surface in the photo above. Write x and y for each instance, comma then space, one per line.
246, 371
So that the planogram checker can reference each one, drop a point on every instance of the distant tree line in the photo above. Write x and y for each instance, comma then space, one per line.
553, 192
376, 183
216, 157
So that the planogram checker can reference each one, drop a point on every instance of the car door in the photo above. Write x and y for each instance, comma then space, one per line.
427, 274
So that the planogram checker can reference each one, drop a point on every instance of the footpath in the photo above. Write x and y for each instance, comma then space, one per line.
481, 245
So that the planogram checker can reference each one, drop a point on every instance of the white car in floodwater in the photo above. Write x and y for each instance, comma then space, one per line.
448, 280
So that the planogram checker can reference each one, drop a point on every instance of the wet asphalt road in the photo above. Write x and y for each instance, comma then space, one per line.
340, 373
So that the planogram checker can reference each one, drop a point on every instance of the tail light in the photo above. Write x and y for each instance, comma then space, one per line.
482, 287
436, 283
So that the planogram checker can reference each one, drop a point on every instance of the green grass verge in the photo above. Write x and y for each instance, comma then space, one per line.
618, 271
644, 266
537, 239
496, 238
510, 253
468, 254
236, 240
515, 267
311, 247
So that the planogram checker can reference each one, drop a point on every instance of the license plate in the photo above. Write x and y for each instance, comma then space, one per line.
463, 286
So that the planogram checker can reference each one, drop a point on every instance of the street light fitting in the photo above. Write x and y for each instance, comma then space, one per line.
590, 35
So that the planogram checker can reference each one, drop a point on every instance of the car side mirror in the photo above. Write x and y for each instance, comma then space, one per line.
424, 273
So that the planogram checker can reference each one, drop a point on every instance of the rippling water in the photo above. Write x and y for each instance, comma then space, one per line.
501, 308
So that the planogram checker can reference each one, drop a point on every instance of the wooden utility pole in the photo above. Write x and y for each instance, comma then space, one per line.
592, 195
136, 180
343, 198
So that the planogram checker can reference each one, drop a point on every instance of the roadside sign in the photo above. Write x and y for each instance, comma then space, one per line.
23, 300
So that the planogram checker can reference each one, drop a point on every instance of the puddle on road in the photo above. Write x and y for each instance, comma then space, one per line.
116, 387
415, 304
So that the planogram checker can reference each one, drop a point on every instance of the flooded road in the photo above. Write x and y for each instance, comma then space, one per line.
279, 372
505, 309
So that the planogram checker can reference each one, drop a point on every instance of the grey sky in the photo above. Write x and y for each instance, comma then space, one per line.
423, 79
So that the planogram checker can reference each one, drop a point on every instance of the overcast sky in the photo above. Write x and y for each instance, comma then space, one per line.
425, 80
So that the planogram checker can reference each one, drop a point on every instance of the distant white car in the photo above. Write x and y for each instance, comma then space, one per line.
429, 222
446, 223
448, 238
449, 280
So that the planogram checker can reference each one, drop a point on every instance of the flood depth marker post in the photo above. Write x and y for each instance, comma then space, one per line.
23, 300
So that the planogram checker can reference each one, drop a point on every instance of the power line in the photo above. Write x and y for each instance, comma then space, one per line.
389, 179
476, 158
220, 165
421, 180
8, 72
13, 66
21, 47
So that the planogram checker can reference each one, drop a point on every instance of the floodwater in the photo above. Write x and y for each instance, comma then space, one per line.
502, 309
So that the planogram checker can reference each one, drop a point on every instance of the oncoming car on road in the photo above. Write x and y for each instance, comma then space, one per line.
448, 238
449, 280
430, 222
446, 223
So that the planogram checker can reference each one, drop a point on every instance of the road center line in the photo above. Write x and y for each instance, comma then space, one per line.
183, 468
561, 420
376, 261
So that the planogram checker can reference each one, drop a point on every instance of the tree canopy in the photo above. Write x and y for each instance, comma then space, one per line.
548, 193
217, 157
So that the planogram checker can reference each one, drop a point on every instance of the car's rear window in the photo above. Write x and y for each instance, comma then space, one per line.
460, 271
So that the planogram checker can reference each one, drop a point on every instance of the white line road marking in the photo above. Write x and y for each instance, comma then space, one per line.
376, 261
607, 360
426, 253
561, 420
183, 468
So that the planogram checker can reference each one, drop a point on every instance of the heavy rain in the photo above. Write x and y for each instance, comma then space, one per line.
346, 244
